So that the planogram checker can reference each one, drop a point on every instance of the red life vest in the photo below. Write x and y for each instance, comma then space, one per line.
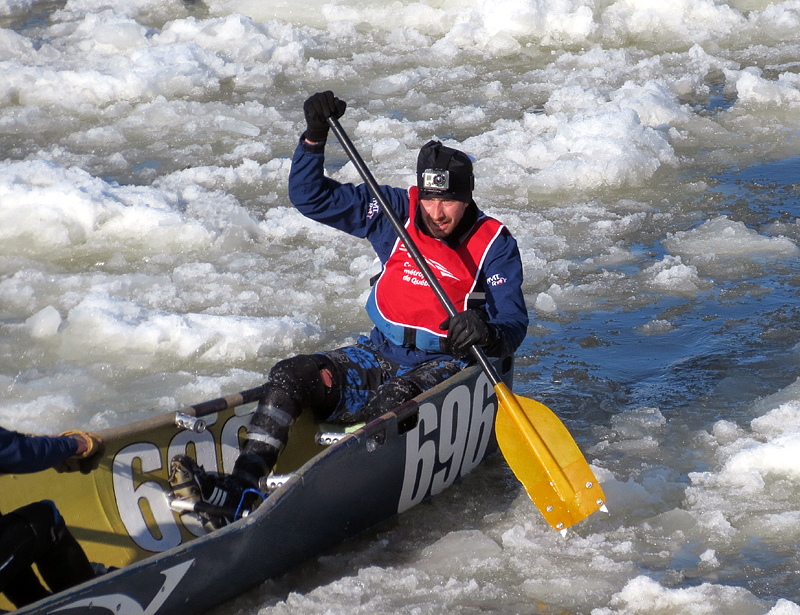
403, 306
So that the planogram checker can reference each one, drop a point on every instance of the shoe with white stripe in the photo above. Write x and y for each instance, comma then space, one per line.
216, 498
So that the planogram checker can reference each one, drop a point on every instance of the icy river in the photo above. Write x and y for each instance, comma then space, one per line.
646, 155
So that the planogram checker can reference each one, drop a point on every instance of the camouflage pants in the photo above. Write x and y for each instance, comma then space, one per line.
370, 384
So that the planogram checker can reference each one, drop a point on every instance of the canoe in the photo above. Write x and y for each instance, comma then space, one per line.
330, 485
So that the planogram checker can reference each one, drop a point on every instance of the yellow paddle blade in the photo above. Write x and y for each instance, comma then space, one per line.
545, 458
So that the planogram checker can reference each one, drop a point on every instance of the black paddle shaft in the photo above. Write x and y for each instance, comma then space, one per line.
420, 261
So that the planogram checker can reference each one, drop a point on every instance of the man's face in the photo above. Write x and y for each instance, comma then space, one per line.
441, 216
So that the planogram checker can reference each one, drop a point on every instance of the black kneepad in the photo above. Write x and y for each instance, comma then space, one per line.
301, 377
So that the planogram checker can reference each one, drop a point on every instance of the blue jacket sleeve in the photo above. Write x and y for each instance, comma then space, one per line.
23, 454
505, 301
345, 207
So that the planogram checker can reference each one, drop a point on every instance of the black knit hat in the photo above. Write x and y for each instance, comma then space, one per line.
444, 173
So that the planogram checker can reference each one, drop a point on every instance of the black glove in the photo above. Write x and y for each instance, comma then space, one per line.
466, 329
318, 108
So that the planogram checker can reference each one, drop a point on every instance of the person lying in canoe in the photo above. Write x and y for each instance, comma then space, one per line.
36, 533
414, 344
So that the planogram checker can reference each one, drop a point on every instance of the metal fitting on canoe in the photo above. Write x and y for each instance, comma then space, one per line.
181, 506
192, 423
268, 484
326, 438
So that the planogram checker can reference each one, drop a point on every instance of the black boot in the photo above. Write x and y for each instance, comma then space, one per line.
217, 499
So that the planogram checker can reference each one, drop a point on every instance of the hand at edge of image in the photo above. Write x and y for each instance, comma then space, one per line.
87, 458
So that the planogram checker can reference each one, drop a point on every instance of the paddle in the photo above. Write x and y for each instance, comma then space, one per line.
537, 446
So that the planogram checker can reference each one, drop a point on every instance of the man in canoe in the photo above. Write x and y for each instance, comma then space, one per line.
414, 345
36, 533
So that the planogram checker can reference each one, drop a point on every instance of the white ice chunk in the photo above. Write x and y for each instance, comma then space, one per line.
44, 323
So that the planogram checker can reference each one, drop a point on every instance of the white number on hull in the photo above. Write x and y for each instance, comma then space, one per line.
437, 452
139, 505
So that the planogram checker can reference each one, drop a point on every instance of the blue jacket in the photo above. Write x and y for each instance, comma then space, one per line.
353, 209
23, 454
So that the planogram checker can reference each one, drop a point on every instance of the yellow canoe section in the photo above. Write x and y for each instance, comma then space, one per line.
119, 512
